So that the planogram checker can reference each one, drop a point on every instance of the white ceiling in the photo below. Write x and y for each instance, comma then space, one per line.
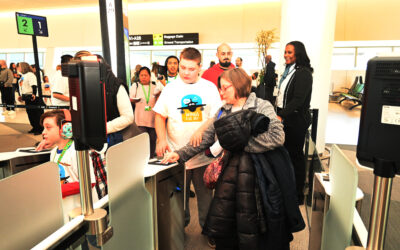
7, 5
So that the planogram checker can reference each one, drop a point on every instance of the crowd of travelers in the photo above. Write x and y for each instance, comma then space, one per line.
254, 125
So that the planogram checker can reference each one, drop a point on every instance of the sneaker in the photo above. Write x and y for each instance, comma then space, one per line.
211, 242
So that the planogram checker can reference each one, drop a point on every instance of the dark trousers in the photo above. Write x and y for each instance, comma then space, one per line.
8, 97
294, 143
34, 114
3, 100
153, 138
204, 195
15, 88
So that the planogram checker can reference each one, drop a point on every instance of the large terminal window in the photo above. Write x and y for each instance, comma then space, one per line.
343, 58
142, 58
365, 54
160, 55
29, 58
17, 57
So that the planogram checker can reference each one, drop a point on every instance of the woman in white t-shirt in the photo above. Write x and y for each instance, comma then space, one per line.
144, 95
28, 89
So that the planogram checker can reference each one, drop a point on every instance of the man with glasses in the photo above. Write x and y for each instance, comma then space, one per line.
224, 54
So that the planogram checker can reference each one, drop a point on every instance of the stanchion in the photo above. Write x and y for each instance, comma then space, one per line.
97, 218
85, 182
384, 172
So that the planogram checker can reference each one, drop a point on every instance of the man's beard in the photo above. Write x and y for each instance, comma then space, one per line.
225, 64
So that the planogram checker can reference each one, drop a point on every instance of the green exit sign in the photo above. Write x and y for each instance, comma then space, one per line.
31, 25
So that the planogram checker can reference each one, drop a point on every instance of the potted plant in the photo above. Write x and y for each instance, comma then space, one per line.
264, 39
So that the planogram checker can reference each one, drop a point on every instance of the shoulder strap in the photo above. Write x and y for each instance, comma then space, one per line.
219, 114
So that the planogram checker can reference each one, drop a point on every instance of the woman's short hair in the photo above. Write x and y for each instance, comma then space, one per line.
58, 114
240, 80
144, 68
302, 59
191, 53
25, 67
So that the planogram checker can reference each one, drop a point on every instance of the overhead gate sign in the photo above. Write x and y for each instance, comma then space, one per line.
164, 39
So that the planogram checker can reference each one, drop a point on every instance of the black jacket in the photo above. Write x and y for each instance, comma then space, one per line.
234, 218
277, 162
270, 75
297, 97
112, 85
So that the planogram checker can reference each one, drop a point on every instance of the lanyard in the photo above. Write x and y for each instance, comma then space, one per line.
147, 96
284, 76
63, 151
168, 81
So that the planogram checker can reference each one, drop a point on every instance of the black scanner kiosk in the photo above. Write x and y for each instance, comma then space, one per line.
86, 78
378, 144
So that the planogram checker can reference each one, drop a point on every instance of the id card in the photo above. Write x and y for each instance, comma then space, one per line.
147, 108
276, 91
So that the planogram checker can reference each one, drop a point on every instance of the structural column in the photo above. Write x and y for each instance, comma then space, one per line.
313, 23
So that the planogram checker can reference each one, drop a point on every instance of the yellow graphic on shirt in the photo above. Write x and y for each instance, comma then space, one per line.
192, 108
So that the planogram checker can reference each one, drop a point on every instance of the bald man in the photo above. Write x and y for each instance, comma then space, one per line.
224, 54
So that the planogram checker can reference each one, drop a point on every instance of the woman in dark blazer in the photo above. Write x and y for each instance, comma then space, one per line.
293, 104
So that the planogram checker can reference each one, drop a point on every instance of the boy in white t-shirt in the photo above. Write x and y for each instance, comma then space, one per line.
188, 102
59, 134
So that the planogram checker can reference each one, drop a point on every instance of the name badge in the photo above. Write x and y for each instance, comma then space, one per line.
147, 108
276, 91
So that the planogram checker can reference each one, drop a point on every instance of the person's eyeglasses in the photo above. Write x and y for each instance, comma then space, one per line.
223, 89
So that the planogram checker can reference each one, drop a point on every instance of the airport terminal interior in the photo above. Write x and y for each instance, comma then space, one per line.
144, 203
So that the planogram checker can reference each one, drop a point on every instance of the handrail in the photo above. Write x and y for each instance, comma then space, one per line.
63, 231
68, 228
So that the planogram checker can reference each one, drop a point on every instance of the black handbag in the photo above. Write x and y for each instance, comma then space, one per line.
261, 91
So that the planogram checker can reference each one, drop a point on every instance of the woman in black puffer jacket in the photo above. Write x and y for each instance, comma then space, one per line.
233, 219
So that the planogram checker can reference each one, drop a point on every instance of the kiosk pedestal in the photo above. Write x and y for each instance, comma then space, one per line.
167, 191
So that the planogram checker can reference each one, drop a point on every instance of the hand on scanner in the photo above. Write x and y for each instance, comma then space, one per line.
170, 157
44, 144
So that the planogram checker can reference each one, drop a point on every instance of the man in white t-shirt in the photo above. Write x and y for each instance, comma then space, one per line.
188, 102
60, 89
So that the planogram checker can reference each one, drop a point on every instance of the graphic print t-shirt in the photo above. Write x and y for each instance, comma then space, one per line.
187, 107
68, 165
